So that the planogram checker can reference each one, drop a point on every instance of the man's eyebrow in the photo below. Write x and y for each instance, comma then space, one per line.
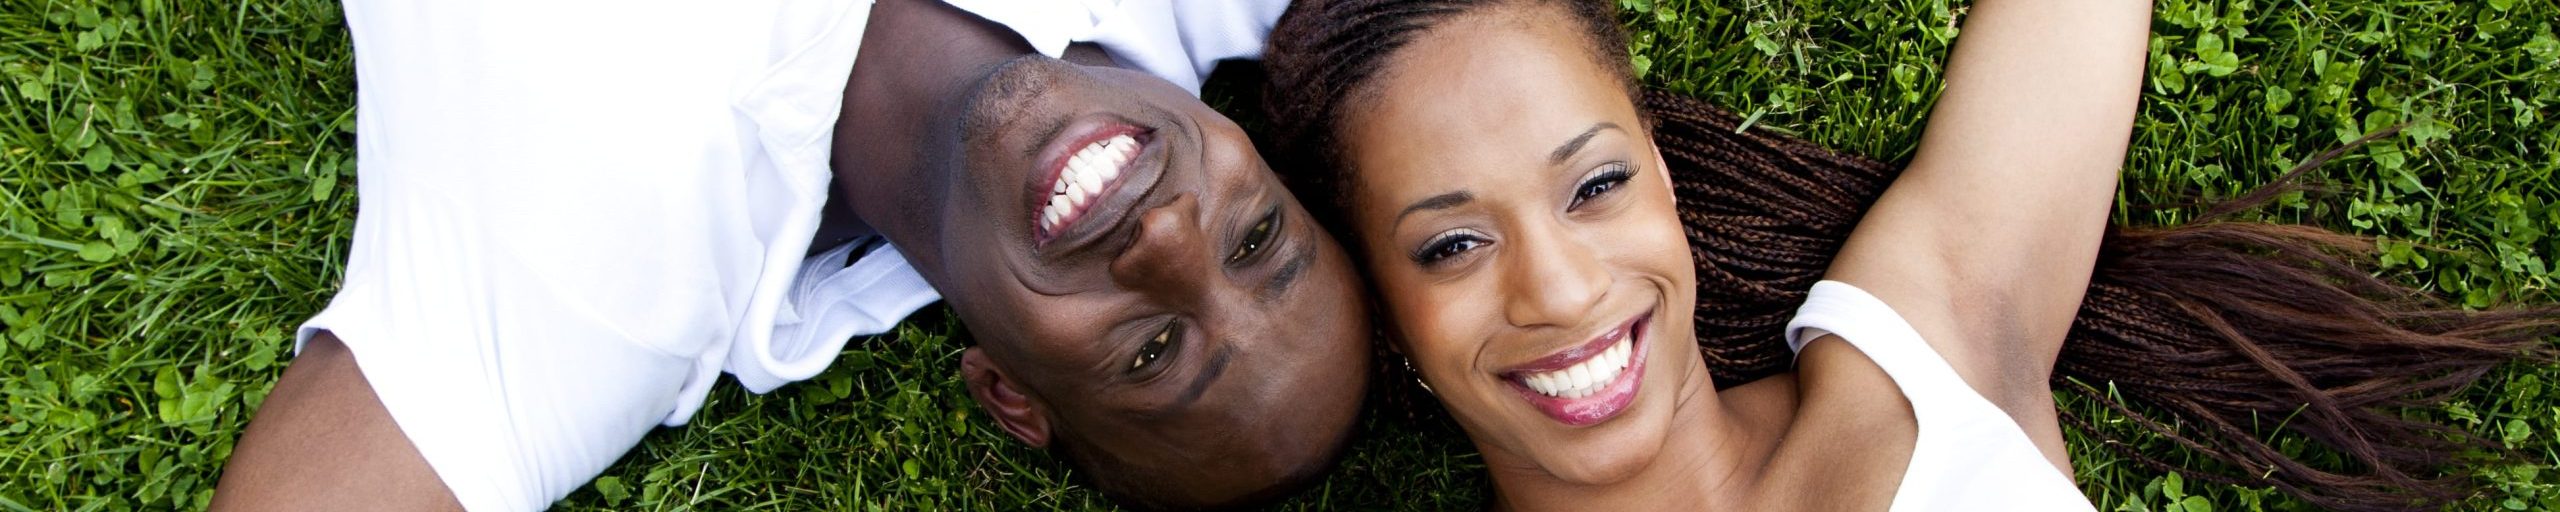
1438, 202
1285, 278
1208, 374
1575, 146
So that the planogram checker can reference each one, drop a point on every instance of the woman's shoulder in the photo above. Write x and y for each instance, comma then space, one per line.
1957, 355
1966, 331
1852, 436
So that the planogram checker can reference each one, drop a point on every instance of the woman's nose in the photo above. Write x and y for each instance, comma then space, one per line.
1551, 280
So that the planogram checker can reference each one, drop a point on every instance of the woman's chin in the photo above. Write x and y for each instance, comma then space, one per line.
1602, 461
1599, 455
1611, 452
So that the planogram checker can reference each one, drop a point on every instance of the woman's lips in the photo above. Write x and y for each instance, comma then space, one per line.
1588, 384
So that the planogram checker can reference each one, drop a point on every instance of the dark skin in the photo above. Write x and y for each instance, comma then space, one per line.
1509, 209
1257, 375
322, 441
1197, 329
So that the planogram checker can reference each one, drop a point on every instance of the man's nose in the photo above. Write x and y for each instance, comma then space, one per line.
1550, 279
1169, 255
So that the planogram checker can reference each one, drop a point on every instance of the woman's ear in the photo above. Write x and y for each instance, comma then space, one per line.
1017, 413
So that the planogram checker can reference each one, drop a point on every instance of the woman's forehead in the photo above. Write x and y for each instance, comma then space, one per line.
1474, 74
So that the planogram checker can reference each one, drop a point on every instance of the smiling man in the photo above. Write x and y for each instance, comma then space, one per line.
576, 216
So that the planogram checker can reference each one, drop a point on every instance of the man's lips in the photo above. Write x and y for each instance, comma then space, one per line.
1083, 178
1590, 383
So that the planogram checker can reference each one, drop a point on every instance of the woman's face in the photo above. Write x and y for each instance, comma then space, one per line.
1525, 243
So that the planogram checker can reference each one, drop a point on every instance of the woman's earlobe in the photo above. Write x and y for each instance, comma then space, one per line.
1017, 413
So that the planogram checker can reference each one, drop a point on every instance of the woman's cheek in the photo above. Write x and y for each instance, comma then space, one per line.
1659, 215
1408, 312
1428, 320
1667, 250
1433, 319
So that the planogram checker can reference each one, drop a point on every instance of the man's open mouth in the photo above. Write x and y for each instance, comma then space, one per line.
1085, 167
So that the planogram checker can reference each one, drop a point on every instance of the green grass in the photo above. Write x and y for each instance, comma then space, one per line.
175, 180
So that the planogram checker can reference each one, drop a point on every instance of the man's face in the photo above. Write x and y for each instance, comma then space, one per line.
1145, 284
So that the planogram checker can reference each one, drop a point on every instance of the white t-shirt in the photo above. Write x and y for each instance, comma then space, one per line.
505, 195
574, 215
1969, 454
1180, 40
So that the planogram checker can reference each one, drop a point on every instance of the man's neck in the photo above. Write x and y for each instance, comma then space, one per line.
919, 58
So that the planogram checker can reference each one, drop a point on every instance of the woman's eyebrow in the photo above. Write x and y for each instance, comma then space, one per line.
1575, 146
1438, 202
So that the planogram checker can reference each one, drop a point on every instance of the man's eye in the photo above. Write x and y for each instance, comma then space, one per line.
1155, 346
1446, 247
1255, 238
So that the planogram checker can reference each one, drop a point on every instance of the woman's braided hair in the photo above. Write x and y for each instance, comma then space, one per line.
2199, 333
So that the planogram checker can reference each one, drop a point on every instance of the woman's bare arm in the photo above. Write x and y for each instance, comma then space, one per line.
1986, 242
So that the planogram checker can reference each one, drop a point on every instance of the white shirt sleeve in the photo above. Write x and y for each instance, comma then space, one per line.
568, 213
1180, 40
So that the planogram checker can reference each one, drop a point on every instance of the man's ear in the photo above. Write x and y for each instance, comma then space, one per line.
1017, 413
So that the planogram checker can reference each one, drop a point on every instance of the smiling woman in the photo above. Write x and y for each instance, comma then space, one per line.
1512, 245
1471, 153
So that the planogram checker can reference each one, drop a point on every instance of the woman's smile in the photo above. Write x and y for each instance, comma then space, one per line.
1527, 248
1590, 383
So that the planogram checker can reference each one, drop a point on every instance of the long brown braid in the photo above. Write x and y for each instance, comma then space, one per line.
1764, 215
2201, 333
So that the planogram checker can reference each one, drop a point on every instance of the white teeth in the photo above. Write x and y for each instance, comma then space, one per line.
1077, 167
1586, 378
1090, 178
1086, 173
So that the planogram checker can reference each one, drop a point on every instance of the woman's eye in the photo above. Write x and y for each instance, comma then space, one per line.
1155, 347
1609, 178
1255, 238
1446, 247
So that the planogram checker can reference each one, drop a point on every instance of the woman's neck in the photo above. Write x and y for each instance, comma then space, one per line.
1709, 460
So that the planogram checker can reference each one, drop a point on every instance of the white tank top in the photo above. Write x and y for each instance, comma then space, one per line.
1970, 454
